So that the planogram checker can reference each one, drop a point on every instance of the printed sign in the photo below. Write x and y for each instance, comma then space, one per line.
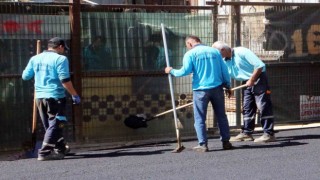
296, 30
309, 107
16, 26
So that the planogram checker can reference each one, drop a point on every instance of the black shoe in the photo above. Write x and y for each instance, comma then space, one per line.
64, 150
67, 150
226, 145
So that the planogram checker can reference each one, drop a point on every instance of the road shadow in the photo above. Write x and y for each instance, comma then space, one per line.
268, 145
116, 153
298, 137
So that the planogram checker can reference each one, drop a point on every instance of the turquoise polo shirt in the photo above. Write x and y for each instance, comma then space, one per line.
207, 66
48, 69
242, 64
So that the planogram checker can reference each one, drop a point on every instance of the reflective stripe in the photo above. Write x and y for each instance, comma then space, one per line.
47, 144
61, 118
248, 118
45, 150
61, 139
266, 117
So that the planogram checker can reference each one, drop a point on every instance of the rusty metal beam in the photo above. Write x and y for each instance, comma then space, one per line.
76, 64
135, 73
89, 8
238, 24
213, 3
215, 23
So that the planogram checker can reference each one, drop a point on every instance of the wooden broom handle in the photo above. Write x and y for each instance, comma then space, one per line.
191, 103
34, 112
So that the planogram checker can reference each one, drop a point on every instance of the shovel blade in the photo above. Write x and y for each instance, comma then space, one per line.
179, 124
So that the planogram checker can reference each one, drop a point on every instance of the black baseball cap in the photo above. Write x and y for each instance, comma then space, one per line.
57, 41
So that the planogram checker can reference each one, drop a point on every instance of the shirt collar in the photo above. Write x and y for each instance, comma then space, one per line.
229, 58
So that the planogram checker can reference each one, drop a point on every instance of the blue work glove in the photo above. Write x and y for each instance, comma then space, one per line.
76, 99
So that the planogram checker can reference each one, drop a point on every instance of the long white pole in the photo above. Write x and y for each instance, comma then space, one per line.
171, 87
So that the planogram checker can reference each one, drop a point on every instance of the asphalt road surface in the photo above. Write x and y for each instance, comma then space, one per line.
295, 155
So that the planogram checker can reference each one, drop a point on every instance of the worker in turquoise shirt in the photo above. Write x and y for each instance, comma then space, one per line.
243, 65
210, 75
50, 70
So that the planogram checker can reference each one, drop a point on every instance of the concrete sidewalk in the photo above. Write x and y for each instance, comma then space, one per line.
291, 127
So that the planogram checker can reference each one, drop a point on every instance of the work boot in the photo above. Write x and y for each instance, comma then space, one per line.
226, 145
67, 150
54, 155
201, 148
242, 137
265, 138
64, 150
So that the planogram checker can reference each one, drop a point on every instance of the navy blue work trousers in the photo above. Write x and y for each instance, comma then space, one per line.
52, 113
258, 97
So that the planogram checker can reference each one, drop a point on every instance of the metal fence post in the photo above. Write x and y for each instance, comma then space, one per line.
74, 14
238, 43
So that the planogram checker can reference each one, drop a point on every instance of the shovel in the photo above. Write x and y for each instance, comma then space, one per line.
140, 120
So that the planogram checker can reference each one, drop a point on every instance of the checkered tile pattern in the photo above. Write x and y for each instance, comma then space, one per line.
119, 107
